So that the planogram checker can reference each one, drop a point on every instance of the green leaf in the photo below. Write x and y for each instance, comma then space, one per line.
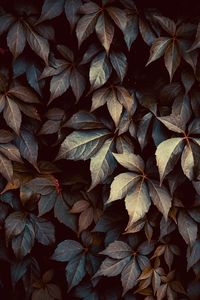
137, 202
167, 155
82, 144
67, 250
16, 39
100, 70
102, 163
122, 184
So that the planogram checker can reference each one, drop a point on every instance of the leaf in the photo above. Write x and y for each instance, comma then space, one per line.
100, 70
14, 224
82, 144
130, 161
85, 219
86, 26
44, 230
137, 202
78, 83
194, 255
130, 275
6, 168
59, 84
38, 44
105, 31
173, 122
23, 243
50, 10
167, 24
24, 93
40, 185
99, 98
188, 162
118, 16
112, 267
46, 203
167, 155
83, 120
114, 108
75, 271
158, 49
119, 63
12, 115
189, 230
16, 39
71, 11
102, 163
196, 43
160, 197
122, 184
117, 250
67, 250
172, 59
11, 152
28, 147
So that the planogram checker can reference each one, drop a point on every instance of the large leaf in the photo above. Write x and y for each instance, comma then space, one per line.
82, 144
102, 163
122, 184
16, 39
167, 155
105, 31
130, 275
137, 202
12, 115
160, 197
67, 250
100, 70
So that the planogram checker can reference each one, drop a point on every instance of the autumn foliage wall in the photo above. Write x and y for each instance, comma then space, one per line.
99, 150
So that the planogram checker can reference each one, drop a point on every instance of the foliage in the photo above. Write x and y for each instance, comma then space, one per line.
99, 150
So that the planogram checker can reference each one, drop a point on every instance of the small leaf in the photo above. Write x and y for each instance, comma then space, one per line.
130, 275
14, 224
158, 49
6, 168
130, 161
167, 24
194, 255
105, 31
172, 59
59, 84
112, 267
71, 11
86, 26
